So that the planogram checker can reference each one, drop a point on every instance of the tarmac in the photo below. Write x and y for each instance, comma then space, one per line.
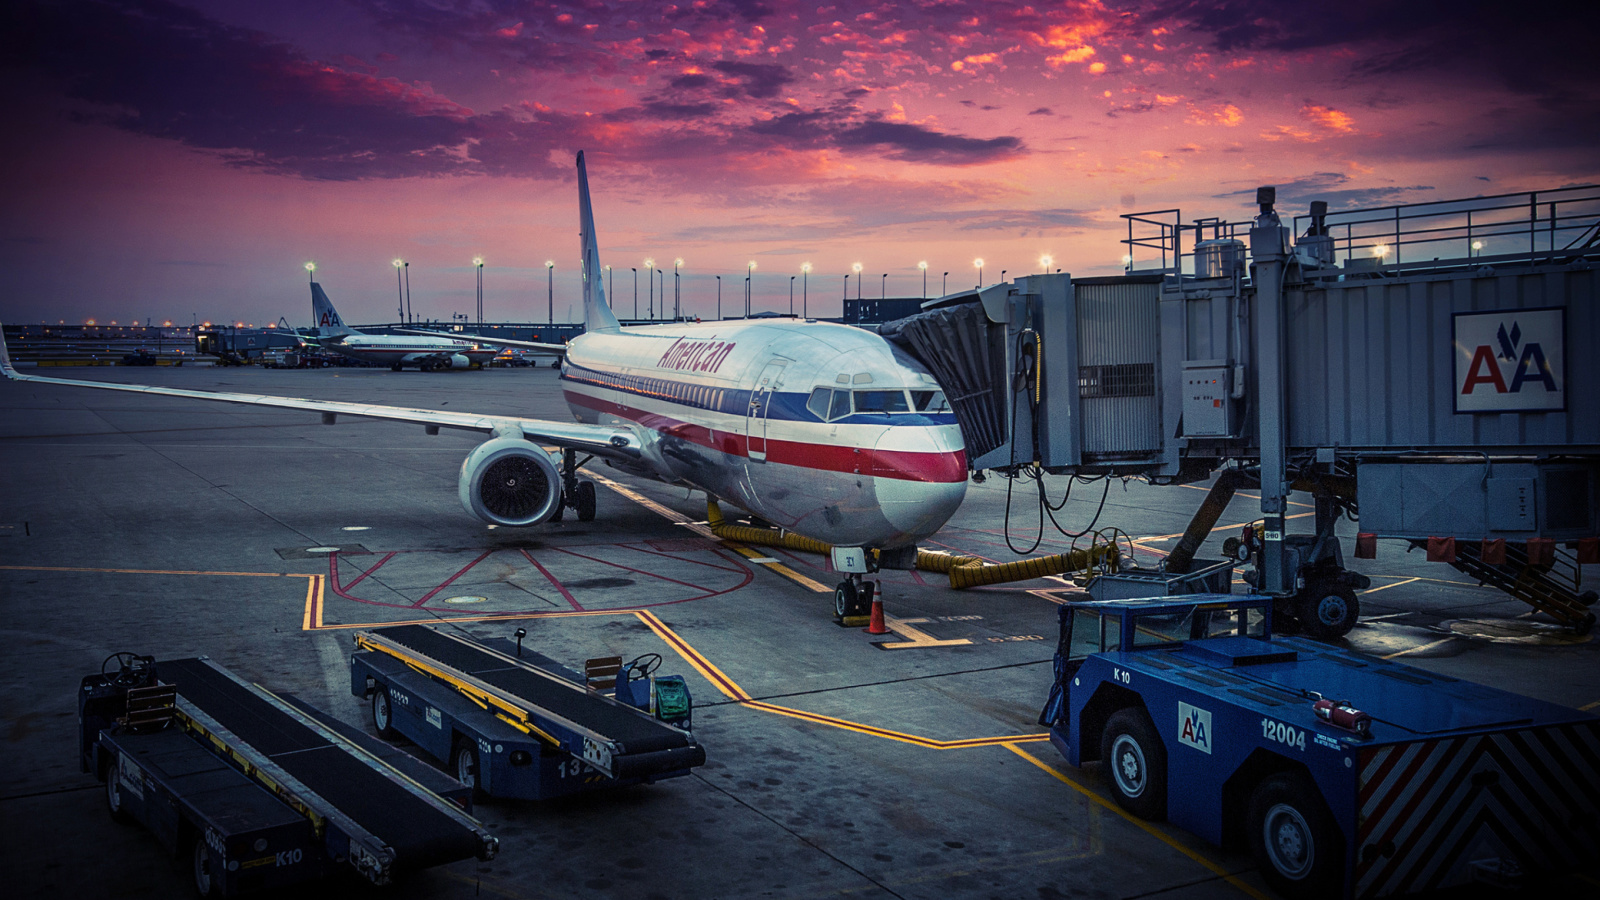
840, 763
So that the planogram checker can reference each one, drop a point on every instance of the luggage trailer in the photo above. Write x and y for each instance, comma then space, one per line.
260, 791
509, 726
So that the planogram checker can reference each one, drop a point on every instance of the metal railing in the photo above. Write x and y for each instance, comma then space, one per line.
1532, 227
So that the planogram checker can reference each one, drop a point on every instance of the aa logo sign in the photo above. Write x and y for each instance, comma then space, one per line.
1510, 361
1194, 727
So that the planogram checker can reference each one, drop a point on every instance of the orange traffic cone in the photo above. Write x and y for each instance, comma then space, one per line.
876, 626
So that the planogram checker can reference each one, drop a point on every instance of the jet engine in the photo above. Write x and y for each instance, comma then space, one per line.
509, 481
458, 361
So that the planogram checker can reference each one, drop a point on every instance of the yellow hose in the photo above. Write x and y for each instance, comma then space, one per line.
964, 571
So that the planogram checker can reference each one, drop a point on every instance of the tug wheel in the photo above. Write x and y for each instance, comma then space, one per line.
464, 763
1294, 838
114, 804
1135, 763
205, 883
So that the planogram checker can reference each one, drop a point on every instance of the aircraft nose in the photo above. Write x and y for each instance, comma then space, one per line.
921, 478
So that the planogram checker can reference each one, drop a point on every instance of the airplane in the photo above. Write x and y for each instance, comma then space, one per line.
397, 351
825, 430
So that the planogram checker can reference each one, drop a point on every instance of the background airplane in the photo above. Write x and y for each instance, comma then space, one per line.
826, 430
396, 351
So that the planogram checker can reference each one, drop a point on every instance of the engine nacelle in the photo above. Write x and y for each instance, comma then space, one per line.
458, 361
508, 481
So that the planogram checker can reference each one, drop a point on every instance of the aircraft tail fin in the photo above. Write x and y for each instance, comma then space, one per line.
597, 315
324, 317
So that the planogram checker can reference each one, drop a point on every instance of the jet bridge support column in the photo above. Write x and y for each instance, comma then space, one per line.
1269, 248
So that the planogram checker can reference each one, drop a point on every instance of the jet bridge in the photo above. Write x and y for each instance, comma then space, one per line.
1425, 370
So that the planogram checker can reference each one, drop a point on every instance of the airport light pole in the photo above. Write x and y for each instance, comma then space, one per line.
883, 287
924, 267
407, 269
677, 296
719, 298
1045, 262
1002, 276
847, 287
791, 295
478, 261
944, 285
311, 272
856, 267
399, 291
978, 263
550, 284
610, 282
662, 274
636, 294
650, 276
805, 276
750, 288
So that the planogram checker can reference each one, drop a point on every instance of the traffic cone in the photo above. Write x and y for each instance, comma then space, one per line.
876, 626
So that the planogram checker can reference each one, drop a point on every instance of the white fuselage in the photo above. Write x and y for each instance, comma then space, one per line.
824, 429
407, 350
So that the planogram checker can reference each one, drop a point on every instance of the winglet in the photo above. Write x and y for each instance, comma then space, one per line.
5, 358
597, 315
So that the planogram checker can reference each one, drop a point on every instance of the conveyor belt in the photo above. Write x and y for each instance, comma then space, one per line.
635, 731
418, 832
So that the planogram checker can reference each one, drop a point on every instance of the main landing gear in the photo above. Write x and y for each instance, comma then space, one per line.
576, 495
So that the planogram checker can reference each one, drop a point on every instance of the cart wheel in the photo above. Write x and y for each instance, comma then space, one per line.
1135, 763
585, 501
1328, 610
1294, 838
383, 715
465, 764
204, 883
844, 598
119, 813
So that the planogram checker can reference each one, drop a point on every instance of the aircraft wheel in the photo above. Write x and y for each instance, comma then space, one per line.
395, 367
844, 598
383, 715
585, 501
1135, 763
1294, 838
1328, 610
555, 363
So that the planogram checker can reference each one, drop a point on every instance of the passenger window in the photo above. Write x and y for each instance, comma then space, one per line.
881, 401
818, 404
929, 402
841, 405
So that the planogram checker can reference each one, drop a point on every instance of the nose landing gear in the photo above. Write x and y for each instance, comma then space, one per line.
852, 601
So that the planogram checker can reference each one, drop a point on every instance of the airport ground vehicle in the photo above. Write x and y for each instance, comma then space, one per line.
515, 723
1346, 775
259, 790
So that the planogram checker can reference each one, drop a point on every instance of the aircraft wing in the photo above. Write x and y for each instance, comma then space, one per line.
491, 341
616, 443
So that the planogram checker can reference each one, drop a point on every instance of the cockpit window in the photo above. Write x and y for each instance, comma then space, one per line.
881, 402
929, 402
841, 405
818, 404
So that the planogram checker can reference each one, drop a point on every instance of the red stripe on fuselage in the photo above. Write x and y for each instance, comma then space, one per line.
905, 465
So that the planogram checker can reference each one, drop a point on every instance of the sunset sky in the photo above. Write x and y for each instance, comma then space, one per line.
173, 159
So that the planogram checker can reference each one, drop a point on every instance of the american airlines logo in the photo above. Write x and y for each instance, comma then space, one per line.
329, 317
1510, 361
696, 356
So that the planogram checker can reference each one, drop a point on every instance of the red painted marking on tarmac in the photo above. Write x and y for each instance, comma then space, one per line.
682, 559
552, 579
379, 564
447, 582
624, 568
